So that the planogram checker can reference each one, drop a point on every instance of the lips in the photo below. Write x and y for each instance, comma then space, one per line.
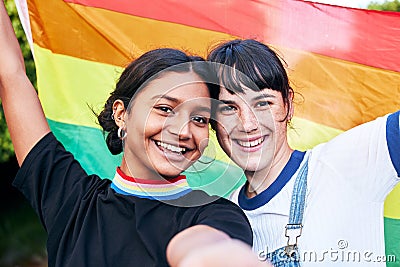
250, 143
172, 148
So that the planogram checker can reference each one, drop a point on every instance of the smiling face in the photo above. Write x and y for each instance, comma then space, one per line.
167, 126
251, 127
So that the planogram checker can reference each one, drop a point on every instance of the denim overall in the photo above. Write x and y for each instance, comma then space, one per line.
288, 256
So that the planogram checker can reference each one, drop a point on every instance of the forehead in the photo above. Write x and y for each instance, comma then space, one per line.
175, 88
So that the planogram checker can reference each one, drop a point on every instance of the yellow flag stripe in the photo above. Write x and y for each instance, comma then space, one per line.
333, 87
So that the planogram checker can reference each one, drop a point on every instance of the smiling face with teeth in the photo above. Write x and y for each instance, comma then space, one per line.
167, 126
252, 128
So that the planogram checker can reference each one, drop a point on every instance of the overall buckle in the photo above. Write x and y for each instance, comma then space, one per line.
292, 232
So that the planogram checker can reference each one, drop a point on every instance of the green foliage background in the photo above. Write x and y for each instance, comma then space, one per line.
6, 148
385, 6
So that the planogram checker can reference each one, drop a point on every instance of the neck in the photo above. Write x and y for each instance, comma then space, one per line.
260, 180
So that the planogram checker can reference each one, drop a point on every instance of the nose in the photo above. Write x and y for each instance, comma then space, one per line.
248, 120
178, 125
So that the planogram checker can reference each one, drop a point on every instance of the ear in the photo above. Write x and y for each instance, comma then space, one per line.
119, 113
290, 103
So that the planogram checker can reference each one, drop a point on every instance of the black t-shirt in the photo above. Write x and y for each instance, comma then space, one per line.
89, 224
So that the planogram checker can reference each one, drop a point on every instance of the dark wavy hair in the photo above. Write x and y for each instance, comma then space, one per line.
139, 72
252, 64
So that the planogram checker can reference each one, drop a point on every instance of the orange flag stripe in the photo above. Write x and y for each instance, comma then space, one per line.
109, 37
344, 32
338, 93
332, 86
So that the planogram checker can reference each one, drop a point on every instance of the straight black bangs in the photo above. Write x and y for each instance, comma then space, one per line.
248, 63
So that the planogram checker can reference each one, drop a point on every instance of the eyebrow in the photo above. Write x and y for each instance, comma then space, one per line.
263, 96
227, 102
173, 99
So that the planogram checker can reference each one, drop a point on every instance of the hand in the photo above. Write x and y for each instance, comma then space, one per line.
232, 253
11, 59
203, 245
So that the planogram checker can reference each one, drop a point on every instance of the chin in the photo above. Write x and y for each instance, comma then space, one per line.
252, 164
169, 172
170, 175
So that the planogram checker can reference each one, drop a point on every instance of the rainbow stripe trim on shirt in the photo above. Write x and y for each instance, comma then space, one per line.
150, 189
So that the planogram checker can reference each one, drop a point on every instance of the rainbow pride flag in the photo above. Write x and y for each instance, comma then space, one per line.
344, 62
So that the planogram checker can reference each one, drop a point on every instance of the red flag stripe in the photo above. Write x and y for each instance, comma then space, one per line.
362, 36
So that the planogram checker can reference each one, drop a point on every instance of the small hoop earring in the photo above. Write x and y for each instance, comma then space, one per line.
121, 133
113, 113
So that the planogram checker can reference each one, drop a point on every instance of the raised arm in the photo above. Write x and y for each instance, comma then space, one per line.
23, 111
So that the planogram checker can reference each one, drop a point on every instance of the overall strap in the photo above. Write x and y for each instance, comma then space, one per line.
294, 227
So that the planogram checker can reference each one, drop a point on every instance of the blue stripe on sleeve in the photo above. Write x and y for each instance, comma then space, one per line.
393, 139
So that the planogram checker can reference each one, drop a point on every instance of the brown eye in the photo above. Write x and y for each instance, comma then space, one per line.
164, 109
227, 109
263, 104
200, 119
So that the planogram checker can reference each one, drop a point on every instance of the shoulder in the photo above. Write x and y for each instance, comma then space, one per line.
234, 196
212, 200
206, 207
201, 200
46, 147
223, 215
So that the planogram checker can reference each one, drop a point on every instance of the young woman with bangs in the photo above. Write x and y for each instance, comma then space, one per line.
301, 205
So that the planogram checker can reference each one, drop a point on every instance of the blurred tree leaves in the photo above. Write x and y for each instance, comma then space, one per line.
6, 148
385, 6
